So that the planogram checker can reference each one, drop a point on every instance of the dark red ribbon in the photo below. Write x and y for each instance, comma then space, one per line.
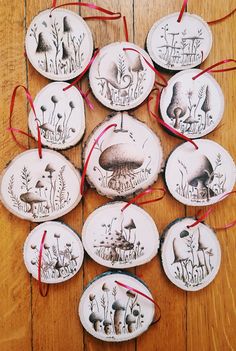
142, 294
89, 155
182, 10
222, 18
209, 69
42, 293
147, 191
85, 97
151, 66
160, 120
12, 130
84, 71
114, 15
125, 29
207, 213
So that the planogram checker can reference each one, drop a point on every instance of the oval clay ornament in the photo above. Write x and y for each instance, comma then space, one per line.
121, 79
179, 45
60, 115
192, 107
190, 256
126, 160
112, 313
117, 239
59, 44
62, 254
37, 189
200, 177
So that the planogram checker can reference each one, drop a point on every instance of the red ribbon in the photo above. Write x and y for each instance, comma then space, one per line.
182, 10
89, 155
114, 15
207, 213
222, 18
42, 293
84, 71
148, 191
151, 66
142, 294
125, 29
85, 97
12, 130
209, 69
172, 130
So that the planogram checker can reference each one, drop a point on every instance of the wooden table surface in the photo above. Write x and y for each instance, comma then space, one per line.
203, 320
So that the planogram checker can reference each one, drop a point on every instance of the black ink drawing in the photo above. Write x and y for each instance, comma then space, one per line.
192, 258
55, 125
201, 180
186, 116
113, 316
48, 195
57, 261
123, 81
58, 49
179, 49
118, 246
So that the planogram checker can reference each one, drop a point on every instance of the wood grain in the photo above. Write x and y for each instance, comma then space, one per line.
190, 321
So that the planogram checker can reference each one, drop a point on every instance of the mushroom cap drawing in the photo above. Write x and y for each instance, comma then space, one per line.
39, 184
31, 198
94, 317
130, 319
199, 170
43, 45
49, 168
119, 155
177, 107
117, 305
130, 225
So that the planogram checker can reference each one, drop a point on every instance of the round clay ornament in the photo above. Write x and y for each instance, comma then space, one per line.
119, 79
190, 256
200, 177
60, 115
112, 313
179, 45
59, 44
127, 158
116, 239
62, 254
192, 107
37, 189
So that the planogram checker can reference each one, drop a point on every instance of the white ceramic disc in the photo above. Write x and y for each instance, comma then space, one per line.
60, 115
192, 107
112, 313
127, 158
190, 256
62, 254
40, 189
116, 239
120, 79
179, 45
59, 46
200, 177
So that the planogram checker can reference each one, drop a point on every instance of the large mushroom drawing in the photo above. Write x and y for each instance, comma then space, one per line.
43, 47
119, 314
122, 160
177, 107
32, 200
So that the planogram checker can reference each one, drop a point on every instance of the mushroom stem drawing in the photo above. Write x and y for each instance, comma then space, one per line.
177, 107
121, 130
202, 247
206, 107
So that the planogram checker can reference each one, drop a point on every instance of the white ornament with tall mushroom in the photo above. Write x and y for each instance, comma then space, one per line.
115, 239
126, 160
200, 177
40, 189
112, 313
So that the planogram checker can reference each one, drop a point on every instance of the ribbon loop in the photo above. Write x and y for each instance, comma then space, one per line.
184, 5
148, 191
209, 69
222, 18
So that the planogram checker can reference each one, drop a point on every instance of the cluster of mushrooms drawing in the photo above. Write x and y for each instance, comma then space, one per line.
120, 245
192, 258
58, 261
42, 197
112, 315
61, 52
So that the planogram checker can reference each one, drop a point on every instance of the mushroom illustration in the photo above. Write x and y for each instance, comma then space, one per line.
200, 175
42, 48
137, 67
55, 102
32, 199
50, 169
119, 309
67, 29
47, 128
190, 121
43, 109
39, 185
202, 246
130, 321
96, 318
177, 107
121, 129
131, 225
107, 326
180, 255
123, 95
210, 254
122, 160
206, 106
